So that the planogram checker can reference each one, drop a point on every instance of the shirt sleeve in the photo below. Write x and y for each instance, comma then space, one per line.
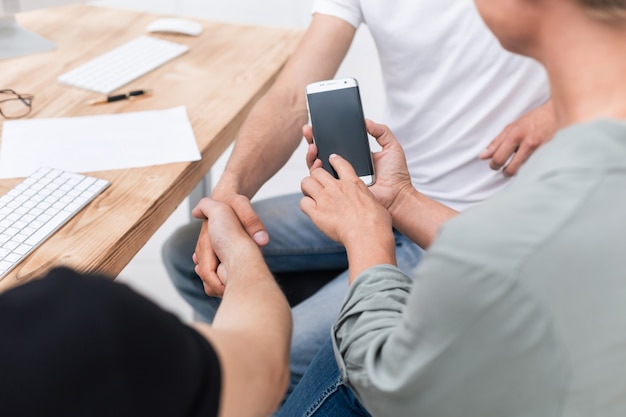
460, 336
348, 10
84, 345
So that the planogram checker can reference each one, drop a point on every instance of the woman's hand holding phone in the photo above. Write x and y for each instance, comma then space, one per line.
389, 163
392, 176
346, 211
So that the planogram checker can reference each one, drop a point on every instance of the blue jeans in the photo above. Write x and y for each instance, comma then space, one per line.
295, 245
321, 392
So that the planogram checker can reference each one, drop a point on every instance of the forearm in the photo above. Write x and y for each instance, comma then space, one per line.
273, 129
266, 140
252, 333
364, 253
419, 217
253, 302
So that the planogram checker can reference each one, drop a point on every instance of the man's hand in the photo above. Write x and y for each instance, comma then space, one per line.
519, 139
222, 242
242, 207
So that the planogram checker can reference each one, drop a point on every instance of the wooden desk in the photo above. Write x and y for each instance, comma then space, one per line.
226, 70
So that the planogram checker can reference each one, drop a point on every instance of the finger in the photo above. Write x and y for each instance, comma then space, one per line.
505, 135
222, 274
504, 152
202, 209
343, 168
213, 286
307, 132
521, 156
207, 263
250, 221
307, 205
492, 147
317, 164
311, 155
380, 132
310, 186
204, 253
322, 176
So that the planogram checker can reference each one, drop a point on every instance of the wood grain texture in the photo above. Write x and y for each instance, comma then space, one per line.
227, 68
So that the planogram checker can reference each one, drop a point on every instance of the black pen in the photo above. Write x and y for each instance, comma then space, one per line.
127, 96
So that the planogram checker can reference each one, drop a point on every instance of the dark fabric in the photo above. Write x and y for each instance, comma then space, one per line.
78, 345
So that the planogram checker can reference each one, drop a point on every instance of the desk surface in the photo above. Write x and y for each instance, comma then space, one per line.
226, 70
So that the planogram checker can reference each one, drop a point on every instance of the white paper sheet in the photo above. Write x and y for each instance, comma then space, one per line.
97, 143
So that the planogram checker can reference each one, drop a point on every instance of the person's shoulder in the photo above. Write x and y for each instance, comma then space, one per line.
348, 10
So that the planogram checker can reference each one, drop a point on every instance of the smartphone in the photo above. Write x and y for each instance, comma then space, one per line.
338, 125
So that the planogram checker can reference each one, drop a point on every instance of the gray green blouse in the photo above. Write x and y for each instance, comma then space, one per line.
517, 309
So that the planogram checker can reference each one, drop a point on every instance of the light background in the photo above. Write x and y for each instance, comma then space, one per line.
145, 272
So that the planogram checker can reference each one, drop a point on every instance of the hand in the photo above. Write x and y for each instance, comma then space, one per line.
222, 242
392, 174
520, 139
344, 209
242, 208
347, 212
311, 152
206, 264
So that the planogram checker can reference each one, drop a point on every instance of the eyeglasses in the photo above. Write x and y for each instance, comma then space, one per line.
14, 105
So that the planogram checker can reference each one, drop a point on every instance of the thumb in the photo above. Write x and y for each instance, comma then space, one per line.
250, 220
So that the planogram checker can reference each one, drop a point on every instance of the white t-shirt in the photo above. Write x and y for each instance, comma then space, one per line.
451, 89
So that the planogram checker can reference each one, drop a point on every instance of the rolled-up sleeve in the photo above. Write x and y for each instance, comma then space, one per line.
373, 308
460, 338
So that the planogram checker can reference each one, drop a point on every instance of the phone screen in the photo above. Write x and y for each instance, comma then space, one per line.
339, 127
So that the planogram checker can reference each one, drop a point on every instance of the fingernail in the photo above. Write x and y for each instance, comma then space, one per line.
261, 238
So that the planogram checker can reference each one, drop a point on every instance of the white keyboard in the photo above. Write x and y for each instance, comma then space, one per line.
35, 208
116, 68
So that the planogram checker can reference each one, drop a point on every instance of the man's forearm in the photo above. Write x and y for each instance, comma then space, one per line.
273, 129
265, 142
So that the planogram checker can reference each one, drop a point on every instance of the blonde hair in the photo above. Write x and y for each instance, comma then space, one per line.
610, 10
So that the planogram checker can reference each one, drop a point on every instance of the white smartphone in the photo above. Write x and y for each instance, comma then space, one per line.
338, 125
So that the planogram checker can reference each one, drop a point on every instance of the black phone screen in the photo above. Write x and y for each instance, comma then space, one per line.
339, 127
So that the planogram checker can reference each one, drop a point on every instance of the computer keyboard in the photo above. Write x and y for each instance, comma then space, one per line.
38, 206
116, 68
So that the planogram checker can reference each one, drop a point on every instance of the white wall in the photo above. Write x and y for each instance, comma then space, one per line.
268, 12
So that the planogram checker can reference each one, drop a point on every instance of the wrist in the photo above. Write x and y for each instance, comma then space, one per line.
245, 262
366, 252
226, 189
402, 199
